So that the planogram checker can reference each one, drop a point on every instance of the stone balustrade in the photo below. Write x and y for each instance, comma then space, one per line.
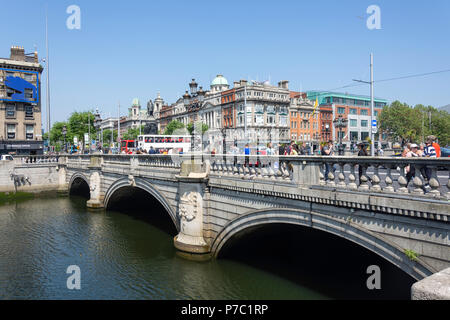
35, 159
385, 175
388, 175
378, 174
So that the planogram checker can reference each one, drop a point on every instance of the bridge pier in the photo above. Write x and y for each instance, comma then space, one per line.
434, 287
95, 201
63, 187
192, 188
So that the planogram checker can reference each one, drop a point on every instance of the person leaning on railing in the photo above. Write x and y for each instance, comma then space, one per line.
428, 152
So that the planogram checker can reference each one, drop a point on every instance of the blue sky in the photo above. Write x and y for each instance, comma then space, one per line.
128, 49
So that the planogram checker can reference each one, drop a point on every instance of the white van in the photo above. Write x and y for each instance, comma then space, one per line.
6, 157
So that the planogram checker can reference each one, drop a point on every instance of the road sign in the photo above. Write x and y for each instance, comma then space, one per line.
374, 126
75, 140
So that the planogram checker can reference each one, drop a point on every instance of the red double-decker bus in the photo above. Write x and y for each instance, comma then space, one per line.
127, 146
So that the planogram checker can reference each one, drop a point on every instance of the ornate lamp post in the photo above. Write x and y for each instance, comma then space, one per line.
340, 123
327, 127
64, 132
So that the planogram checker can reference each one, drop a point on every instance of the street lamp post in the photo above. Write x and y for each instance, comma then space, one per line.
327, 127
64, 132
340, 123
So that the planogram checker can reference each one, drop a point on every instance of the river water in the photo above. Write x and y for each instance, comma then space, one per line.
120, 256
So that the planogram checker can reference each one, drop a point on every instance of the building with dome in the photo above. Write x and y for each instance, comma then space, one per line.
219, 84
222, 109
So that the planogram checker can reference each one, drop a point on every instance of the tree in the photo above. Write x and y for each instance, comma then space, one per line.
172, 126
78, 125
190, 128
132, 133
107, 136
413, 124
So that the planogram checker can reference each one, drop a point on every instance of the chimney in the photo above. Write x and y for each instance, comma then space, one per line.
283, 84
236, 84
17, 53
243, 82
36, 59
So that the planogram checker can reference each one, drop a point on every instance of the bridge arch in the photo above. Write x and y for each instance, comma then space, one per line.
148, 187
354, 233
76, 177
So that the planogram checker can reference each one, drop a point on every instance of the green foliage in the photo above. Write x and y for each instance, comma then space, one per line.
191, 127
412, 124
78, 125
107, 136
132, 133
56, 132
413, 256
172, 126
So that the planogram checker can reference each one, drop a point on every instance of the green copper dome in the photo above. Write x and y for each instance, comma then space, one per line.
219, 80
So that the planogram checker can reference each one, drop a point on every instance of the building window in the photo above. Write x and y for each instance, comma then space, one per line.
354, 135
353, 123
10, 111
28, 111
11, 131
364, 135
341, 110
28, 77
28, 93
353, 111
364, 123
364, 112
29, 131
376, 113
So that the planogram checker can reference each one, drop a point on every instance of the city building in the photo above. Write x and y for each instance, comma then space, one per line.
20, 103
137, 116
222, 107
354, 108
258, 110
304, 119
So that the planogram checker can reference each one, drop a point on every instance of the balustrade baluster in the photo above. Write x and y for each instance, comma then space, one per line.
331, 176
402, 180
448, 184
341, 175
321, 178
352, 178
388, 179
364, 179
418, 180
376, 179
434, 183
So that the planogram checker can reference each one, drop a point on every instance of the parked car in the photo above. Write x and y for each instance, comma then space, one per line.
7, 157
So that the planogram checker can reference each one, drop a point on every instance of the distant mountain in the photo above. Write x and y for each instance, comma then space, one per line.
445, 108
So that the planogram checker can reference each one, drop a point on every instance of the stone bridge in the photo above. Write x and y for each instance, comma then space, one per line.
210, 200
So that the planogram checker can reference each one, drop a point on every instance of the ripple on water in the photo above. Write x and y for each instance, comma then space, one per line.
120, 257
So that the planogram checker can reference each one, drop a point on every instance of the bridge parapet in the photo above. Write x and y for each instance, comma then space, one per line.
378, 175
